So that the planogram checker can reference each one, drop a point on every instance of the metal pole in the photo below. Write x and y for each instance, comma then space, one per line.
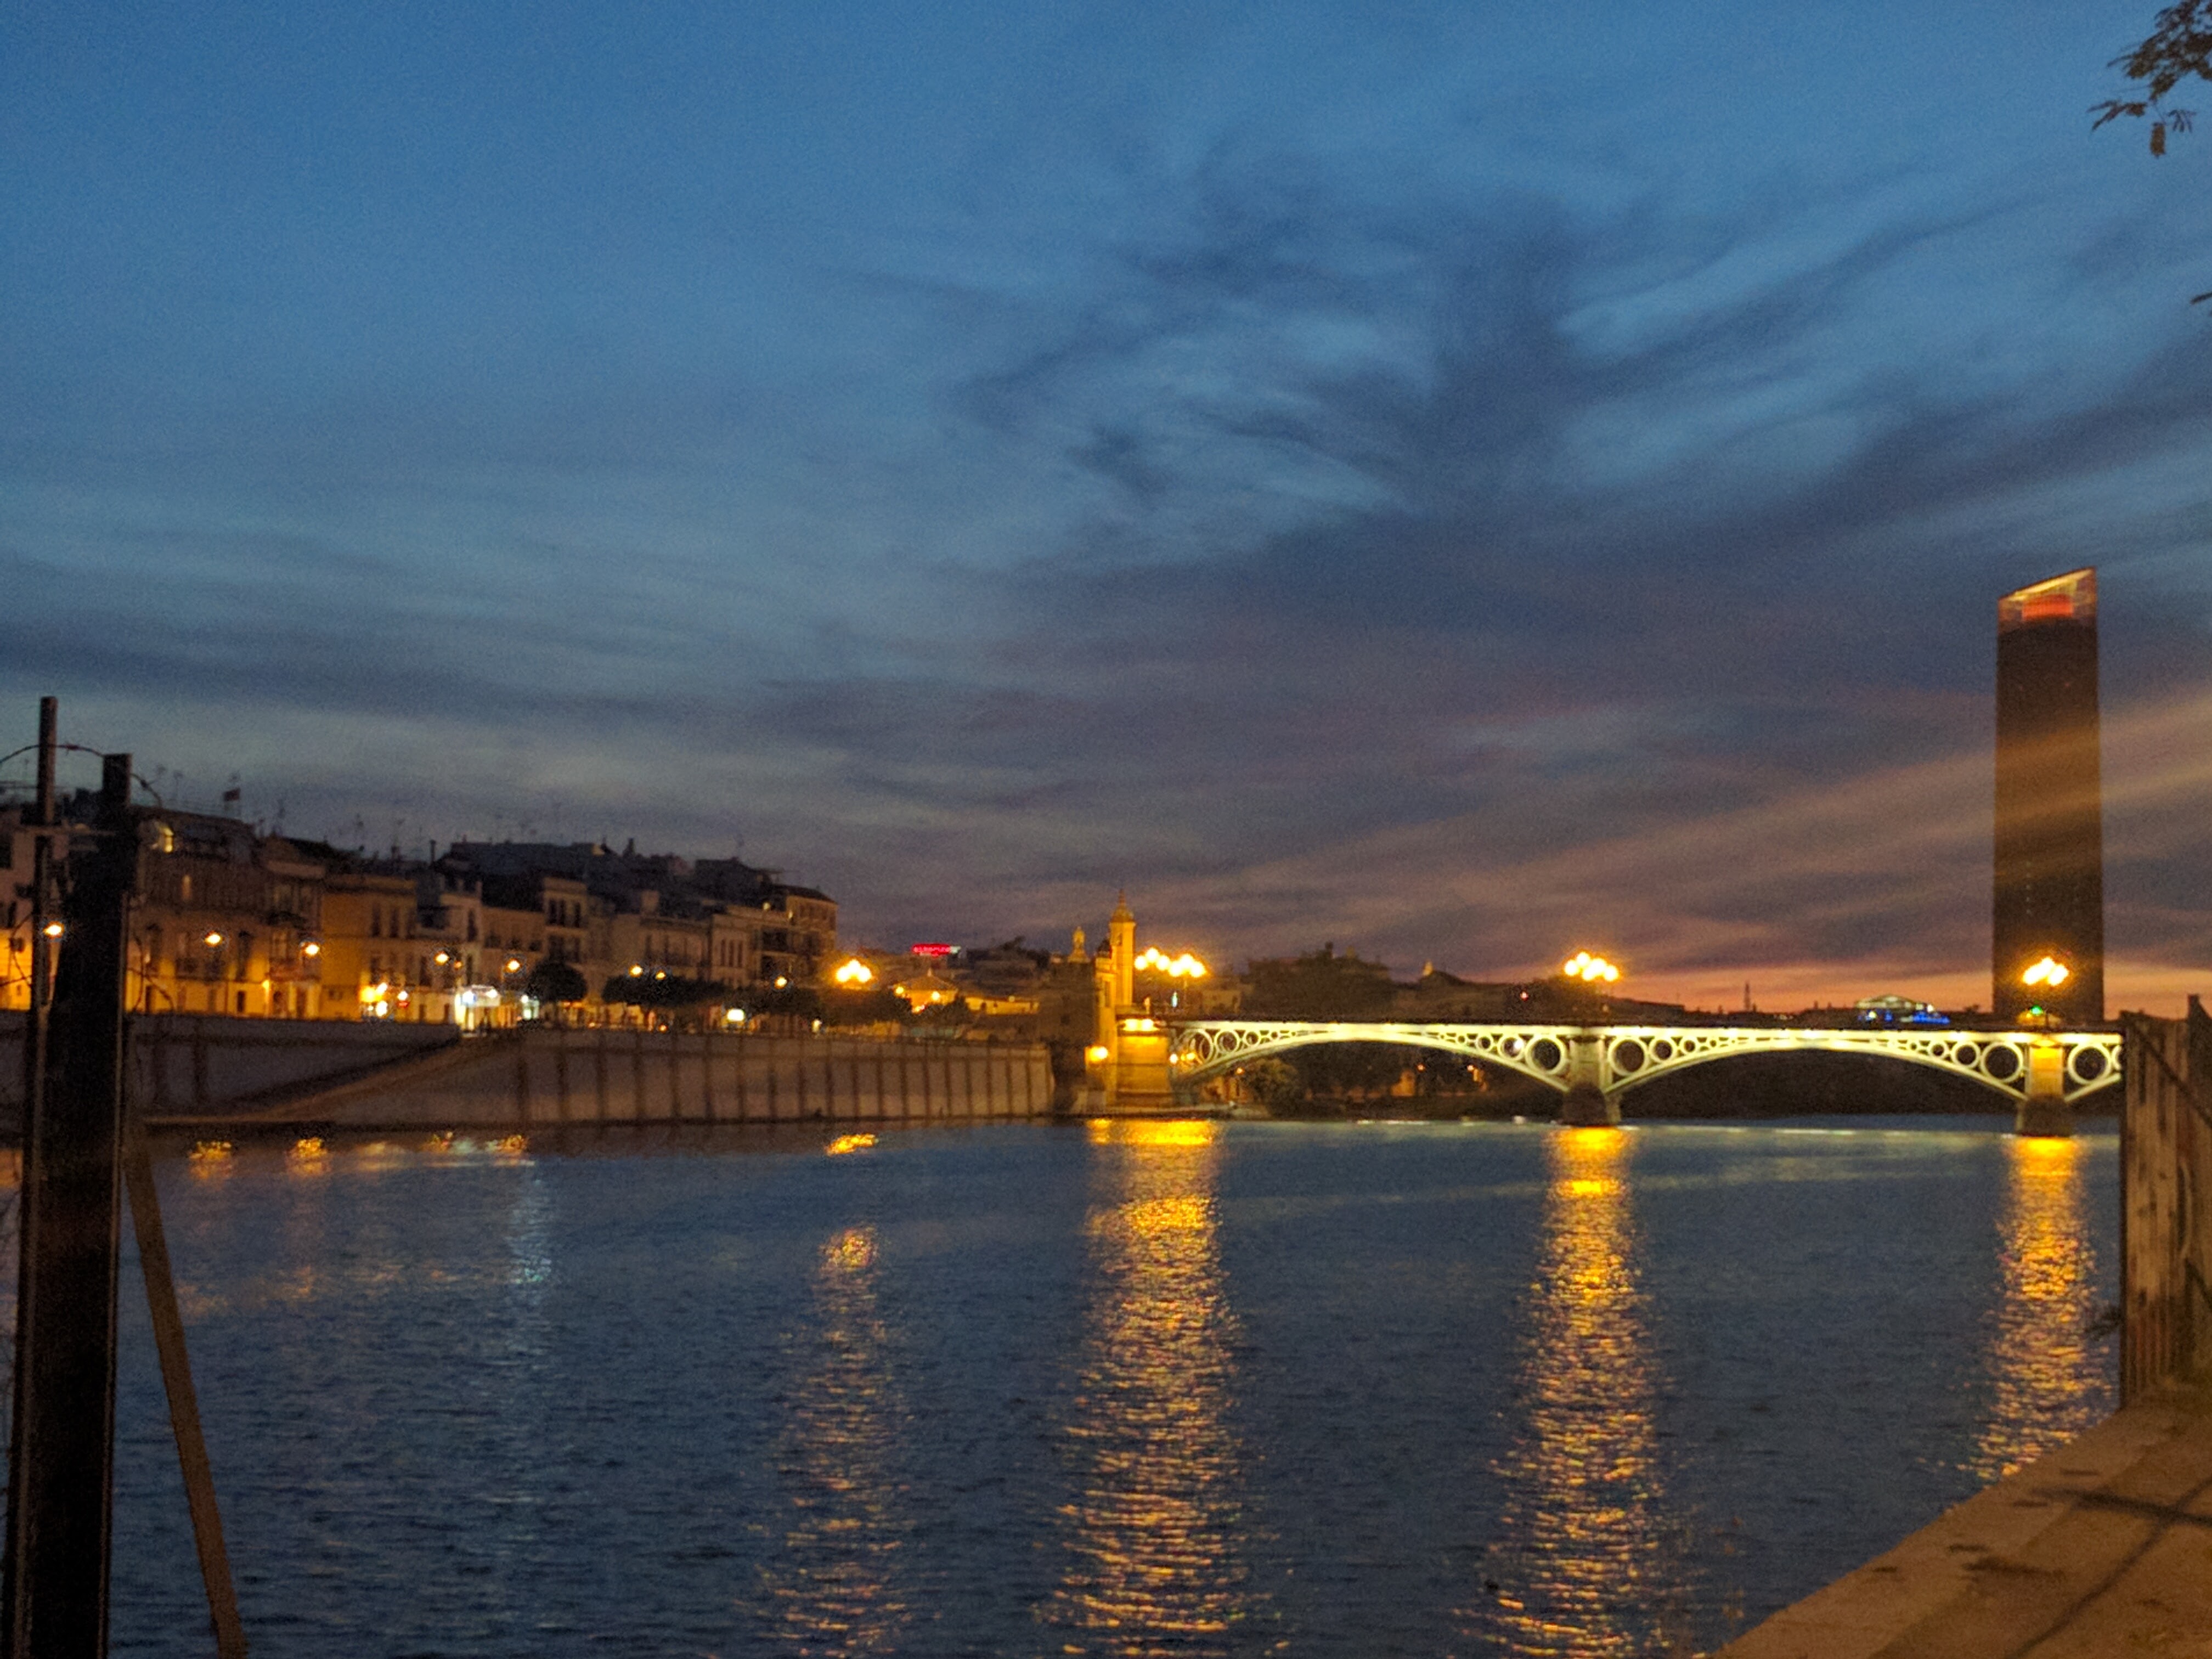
62, 1482
35, 1084
43, 815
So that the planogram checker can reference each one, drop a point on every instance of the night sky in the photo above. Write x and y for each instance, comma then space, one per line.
1464, 482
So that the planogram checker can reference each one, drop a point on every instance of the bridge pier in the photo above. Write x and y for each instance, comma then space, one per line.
2043, 1109
1586, 1106
1588, 1103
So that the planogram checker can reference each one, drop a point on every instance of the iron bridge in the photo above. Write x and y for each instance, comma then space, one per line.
1614, 1059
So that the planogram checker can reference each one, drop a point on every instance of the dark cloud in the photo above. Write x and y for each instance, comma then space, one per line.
1334, 519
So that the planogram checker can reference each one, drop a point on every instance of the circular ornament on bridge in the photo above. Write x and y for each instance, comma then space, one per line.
1965, 1054
2002, 1062
1546, 1055
1663, 1050
1627, 1056
1512, 1047
2086, 1064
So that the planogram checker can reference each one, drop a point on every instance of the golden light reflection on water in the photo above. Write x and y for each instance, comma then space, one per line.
1581, 1488
1154, 1530
834, 1588
2048, 1383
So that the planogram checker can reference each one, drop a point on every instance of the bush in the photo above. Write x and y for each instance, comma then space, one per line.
877, 1006
652, 991
1275, 1083
551, 981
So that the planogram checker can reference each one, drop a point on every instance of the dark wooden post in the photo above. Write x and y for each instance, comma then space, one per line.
2165, 1220
184, 1400
43, 910
61, 1478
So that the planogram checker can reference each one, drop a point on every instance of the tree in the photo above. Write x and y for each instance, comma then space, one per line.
551, 983
1275, 1083
797, 1001
666, 993
879, 1005
2180, 46
1321, 986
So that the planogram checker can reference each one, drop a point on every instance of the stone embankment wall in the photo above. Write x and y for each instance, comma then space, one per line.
186, 1064
545, 1079
188, 1070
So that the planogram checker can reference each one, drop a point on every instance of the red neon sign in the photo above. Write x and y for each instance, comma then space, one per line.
933, 949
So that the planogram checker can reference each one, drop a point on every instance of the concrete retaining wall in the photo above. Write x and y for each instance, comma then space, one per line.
185, 1063
542, 1079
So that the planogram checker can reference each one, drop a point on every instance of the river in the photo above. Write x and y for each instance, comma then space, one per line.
1124, 1388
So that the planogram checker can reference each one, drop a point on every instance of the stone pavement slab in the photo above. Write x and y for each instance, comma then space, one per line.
2103, 1547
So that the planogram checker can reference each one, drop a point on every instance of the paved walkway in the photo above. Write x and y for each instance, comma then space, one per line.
2103, 1547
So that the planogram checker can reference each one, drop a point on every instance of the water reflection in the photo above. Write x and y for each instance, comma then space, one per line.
1582, 1498
834, 1587
2048, 1384
1154, 1533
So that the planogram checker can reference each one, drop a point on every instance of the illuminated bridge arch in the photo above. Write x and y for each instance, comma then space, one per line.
1615, 1059
1208, 1048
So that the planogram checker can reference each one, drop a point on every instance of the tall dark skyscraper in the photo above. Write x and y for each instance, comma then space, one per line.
2049, 892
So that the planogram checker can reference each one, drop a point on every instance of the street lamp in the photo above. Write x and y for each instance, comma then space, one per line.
1591, 971
1185, 966
2045, 975
855, 974
1178, 969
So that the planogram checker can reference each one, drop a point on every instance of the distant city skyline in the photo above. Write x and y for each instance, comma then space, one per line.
1466, 484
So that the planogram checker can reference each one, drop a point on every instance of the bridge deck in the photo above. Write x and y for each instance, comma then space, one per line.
1611, 1058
